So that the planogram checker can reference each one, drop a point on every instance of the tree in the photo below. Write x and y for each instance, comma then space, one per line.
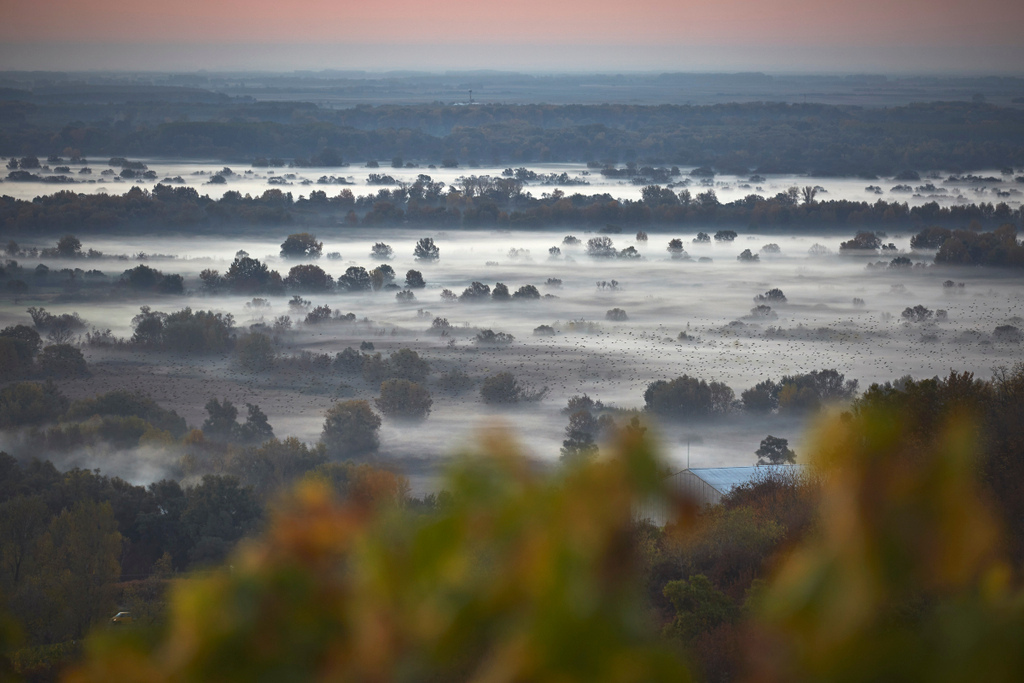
247, 275
221, 421
350, 430
79, 556
408, 365
381, 275
255, 352
675, 248
862, 241
30, 403
355, 279
579, 437
600, 247
808, 193
917, 314
688, 397
426, 250
616, 315
218, 513
477, 291
22, 520
149, 327
62, 361
500, 292
404, 399
309, 278
763, 397
725, 236
702, 238
774, 451
771, 296
69, 246
526, 292
257, 428
748, 256
382, 251
301, 245
414, 280
501, 388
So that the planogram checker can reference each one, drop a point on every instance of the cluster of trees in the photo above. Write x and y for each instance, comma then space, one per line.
248, 275
747, 587
817, 139
688, 397
183, 208
479, 292
184, 331
69, 537
23, 355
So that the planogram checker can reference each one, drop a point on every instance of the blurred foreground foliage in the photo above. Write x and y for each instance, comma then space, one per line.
889, 562
517, 577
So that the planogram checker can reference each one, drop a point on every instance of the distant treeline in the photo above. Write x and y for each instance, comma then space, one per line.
819, 139
422, 204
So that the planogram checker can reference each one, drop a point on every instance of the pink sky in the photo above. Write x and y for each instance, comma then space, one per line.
971, 30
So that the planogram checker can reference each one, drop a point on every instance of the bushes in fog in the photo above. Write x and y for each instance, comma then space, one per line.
687, 398
142, 278
350, 430
222, 424
255, 352
799, 393
61, 361
504, 389
301, 245
184, 331
403, 399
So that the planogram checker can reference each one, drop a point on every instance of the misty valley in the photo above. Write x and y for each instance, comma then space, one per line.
601, 316
340, 375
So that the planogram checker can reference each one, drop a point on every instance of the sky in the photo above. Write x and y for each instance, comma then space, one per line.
923, 36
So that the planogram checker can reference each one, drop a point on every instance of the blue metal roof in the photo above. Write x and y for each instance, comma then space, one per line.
725, 479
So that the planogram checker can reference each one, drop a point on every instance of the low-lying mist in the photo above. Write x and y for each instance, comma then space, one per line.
677, 317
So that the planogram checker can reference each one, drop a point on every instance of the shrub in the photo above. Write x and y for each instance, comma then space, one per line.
917, 314
198, 332
62, 361
30, 403
454, 381
771, 296
350, 430
501, 389
616, 314
526, 292
123, 403
404, 399
492, 337
255, 352
748, 256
